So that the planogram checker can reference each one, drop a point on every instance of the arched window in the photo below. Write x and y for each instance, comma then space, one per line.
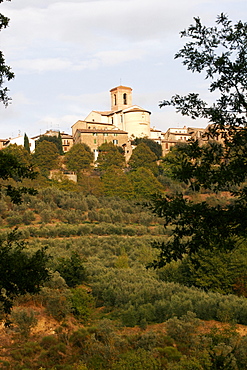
125, 99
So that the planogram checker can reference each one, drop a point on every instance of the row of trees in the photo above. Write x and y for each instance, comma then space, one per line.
48, 152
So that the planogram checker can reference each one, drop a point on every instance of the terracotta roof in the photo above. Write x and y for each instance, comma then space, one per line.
66, 136
134, 108
104, 113
121, 87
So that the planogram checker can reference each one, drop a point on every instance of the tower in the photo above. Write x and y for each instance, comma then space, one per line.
121, 98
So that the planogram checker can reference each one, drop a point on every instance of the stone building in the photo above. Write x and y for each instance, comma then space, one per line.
123, 116
119, 125
94, 137
67, 140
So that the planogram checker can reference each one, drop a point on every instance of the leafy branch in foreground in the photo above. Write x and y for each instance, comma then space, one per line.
198, 226
219, 52
5, 71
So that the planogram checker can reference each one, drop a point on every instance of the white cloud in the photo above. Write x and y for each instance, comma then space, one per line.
40, 65
67, 53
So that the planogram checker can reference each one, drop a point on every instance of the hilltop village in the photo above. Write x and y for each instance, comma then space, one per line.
120, 125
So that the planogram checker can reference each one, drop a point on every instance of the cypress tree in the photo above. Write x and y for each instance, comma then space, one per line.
26, 143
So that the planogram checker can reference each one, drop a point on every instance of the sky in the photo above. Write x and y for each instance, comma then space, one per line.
68, 54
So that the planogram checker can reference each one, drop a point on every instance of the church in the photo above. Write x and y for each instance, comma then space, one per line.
120, 125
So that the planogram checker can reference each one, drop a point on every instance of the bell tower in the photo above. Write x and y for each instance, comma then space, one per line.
121, 98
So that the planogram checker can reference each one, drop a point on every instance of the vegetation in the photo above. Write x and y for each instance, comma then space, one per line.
79, 158
46, 156
5, 71
198, 226
74, 281
143, 156
13, 168
57, 140
155, 147
110, 155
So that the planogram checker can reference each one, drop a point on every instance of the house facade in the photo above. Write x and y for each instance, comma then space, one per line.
19, 140
95, 137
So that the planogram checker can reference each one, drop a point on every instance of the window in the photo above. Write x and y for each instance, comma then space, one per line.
105, 134
95, 134
115, 99
115, 142
114, 134
112, 121
121, 118
125, 99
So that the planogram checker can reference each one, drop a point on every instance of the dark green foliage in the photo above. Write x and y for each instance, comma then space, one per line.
46, 156
26, 143
117, 183
12, 167
137, 360
143, 156
21, 272
52, 139
155, 147
109, 156
79, 158
82, 303
5, 71
72, 269
144, 182
220, 52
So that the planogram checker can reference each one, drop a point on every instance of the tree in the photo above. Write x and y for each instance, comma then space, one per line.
5, 71
13, 168
20, 272
46, 156
26, 143
79, 158
72, 269
178, 163
109, 155
57, 140
219, 52
145, 184
117, 183
143, 156
155, 147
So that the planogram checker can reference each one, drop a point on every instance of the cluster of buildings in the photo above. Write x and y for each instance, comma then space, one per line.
120, 125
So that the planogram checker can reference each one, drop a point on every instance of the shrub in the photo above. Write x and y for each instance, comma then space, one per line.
57, 303
137, 360
14, 220
25, 319
82, 303
28, 217
72, 269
